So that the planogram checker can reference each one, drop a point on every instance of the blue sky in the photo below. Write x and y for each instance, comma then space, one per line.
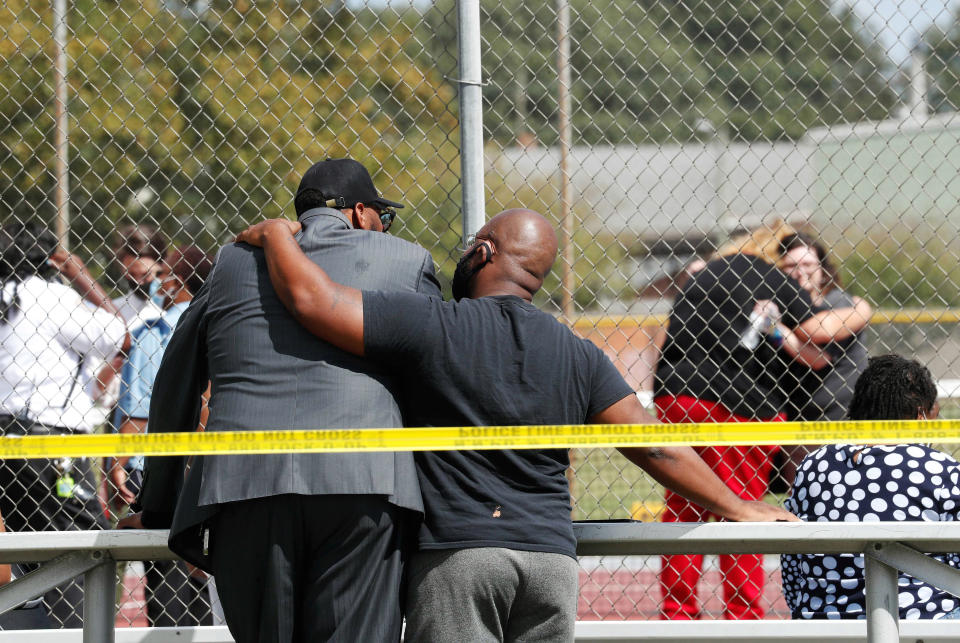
900, 21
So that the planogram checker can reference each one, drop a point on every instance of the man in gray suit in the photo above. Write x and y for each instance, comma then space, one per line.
304, 547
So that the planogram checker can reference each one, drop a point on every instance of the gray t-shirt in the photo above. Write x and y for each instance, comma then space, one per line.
825, 394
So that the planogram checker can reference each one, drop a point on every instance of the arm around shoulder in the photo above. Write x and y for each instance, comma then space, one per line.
836, 324
681, 470
329, 310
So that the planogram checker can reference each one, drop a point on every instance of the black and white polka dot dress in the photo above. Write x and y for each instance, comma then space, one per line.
897, 482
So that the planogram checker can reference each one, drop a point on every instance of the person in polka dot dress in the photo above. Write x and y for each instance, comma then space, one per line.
857, 483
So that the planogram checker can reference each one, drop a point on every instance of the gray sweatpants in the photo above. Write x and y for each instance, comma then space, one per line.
491, 594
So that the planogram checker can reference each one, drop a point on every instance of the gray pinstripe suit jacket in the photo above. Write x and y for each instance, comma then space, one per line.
267, 372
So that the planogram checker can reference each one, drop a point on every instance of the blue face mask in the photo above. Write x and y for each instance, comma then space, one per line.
154, 292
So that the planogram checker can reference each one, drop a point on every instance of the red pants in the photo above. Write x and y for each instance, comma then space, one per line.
746, 470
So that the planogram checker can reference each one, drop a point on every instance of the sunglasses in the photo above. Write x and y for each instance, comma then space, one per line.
387, 215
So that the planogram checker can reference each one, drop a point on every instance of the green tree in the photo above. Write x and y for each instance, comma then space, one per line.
216, 114
779, 67
651, 70
941, 45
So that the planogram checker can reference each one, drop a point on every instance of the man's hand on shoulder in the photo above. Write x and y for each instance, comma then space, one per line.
256, 234
329, 310
759, 511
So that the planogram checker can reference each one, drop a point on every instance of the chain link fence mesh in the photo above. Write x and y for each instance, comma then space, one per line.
692, 121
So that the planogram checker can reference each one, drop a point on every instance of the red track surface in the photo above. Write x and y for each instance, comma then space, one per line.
634, 595
133, 608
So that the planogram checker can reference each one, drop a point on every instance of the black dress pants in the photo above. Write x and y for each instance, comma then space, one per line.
174, 597
292, 569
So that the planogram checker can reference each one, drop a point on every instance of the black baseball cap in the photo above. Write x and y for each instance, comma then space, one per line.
344, 183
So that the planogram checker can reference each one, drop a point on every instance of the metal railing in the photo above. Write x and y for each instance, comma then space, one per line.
888, 547
66, 555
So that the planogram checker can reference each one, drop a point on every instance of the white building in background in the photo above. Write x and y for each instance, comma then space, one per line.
671, 191
843, 179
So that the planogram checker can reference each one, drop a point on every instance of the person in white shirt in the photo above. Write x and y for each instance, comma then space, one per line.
47, 331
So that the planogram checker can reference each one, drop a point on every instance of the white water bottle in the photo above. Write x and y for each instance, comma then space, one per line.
750, 338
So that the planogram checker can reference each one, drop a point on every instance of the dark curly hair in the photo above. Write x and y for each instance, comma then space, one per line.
893, 388
25, 249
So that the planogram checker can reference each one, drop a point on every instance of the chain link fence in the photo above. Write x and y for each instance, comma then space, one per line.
685, 123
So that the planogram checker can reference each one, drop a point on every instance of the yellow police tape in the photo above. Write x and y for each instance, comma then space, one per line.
498, 437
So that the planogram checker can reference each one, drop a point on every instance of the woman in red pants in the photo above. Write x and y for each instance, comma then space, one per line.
720, 364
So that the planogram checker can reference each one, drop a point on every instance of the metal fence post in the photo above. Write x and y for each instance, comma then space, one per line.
99, 601
471, 116
62, 123
883, 614
566, 142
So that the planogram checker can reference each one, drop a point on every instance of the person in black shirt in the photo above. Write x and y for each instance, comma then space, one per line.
497, 555
711, 370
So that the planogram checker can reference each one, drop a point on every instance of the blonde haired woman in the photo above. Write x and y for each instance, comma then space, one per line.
719, 364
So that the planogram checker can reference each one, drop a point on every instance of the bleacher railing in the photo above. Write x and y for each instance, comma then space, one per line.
888, 547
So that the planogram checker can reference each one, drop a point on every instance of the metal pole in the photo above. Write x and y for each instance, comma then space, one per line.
99, 601
471, 116
62, 189
919, 109
566, 142
724, 164
883, 612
